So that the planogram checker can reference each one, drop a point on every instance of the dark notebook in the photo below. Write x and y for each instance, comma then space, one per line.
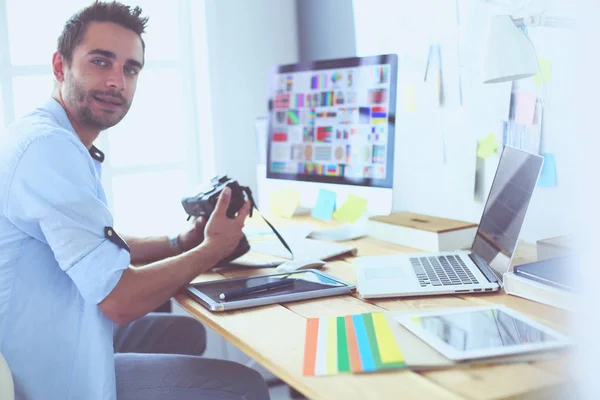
560, 272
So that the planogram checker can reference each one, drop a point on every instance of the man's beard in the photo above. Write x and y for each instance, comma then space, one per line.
80, 100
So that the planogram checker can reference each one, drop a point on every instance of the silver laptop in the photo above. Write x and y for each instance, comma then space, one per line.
478, 270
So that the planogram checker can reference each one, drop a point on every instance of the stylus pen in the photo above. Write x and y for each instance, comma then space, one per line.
260, 288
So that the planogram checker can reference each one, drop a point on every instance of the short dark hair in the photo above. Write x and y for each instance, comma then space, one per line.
99, 11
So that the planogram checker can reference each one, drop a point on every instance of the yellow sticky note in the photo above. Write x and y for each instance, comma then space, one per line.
284, 202
544, 72
351, 210
410, 99
487, 146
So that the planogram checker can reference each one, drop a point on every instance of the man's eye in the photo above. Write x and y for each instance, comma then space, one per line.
101, 63
131, 71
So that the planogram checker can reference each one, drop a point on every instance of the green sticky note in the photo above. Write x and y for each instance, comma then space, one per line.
284, 202
351, 210
487, 146
343, 357
544, 72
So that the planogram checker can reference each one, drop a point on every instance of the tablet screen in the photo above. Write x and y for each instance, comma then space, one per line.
478, 330
304, 281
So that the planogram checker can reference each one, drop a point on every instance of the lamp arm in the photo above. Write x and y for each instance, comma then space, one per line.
544, 20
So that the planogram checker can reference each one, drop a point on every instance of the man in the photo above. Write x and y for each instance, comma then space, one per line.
65, 275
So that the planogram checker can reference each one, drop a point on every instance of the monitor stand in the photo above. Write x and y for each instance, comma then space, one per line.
347, 231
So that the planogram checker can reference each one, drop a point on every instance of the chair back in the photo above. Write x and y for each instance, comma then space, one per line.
7, 388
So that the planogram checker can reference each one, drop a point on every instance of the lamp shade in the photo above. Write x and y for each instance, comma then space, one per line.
509, 54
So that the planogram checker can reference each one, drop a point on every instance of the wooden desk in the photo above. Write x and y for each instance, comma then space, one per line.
274, 336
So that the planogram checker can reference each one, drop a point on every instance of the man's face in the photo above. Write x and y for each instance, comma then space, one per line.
99, 84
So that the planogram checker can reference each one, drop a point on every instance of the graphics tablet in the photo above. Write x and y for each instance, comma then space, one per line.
480, 332
284, 287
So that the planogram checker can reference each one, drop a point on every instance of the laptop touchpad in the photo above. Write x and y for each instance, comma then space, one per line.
383, 273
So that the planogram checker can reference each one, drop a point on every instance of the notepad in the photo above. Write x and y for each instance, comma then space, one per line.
350, 344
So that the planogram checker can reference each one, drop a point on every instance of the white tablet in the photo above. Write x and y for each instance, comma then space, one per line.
480, 332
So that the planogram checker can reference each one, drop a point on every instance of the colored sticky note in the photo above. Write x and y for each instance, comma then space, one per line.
487, 146
325, 205
351, 210
410, 99
284, 202
548, 175
525, 107
544, 72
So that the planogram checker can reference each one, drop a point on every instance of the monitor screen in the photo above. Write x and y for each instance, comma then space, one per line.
504, 212
333, 121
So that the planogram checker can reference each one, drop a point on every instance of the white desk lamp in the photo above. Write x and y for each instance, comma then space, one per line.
510, 55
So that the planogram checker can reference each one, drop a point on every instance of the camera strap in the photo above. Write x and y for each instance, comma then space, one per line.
253, 205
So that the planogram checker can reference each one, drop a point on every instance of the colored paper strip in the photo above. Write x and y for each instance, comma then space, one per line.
342, 346
368, 320
388, 348
363, 344
321, 361
310, 346
354, 355
331, 345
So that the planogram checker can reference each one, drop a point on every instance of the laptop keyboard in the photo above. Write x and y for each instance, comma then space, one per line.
442, 271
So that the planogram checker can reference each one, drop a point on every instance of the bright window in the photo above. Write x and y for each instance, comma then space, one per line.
152, 154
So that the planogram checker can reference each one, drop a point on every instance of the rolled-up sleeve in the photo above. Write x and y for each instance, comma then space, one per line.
53, 197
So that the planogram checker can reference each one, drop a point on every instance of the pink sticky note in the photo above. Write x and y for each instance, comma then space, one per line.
525, 107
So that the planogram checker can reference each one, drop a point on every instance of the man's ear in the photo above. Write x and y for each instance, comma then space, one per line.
58, 66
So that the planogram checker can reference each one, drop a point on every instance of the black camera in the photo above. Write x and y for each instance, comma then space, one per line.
204, 203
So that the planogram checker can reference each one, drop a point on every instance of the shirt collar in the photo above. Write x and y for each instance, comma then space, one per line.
58, 112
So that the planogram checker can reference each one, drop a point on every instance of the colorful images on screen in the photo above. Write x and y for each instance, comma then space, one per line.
332, 122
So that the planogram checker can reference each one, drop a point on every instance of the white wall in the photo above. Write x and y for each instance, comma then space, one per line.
445, 188
245, 39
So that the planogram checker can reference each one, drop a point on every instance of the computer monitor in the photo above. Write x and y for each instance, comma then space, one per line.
331, 126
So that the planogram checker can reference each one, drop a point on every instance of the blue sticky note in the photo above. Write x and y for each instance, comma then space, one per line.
548, 175
325, 205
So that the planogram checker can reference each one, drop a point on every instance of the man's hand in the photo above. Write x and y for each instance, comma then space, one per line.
194, 235
221, 232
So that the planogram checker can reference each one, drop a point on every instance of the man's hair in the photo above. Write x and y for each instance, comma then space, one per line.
117, 13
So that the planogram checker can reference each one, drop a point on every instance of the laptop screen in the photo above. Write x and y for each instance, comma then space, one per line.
504, 212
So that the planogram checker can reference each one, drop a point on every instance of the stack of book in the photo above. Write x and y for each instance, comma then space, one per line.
552, 280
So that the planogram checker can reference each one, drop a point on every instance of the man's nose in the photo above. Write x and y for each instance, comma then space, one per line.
116, 80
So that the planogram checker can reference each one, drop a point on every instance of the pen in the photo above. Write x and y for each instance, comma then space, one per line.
260, 288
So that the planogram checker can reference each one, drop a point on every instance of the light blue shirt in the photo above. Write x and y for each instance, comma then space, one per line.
55, 263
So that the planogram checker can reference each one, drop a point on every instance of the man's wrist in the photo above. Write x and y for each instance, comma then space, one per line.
175, 245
